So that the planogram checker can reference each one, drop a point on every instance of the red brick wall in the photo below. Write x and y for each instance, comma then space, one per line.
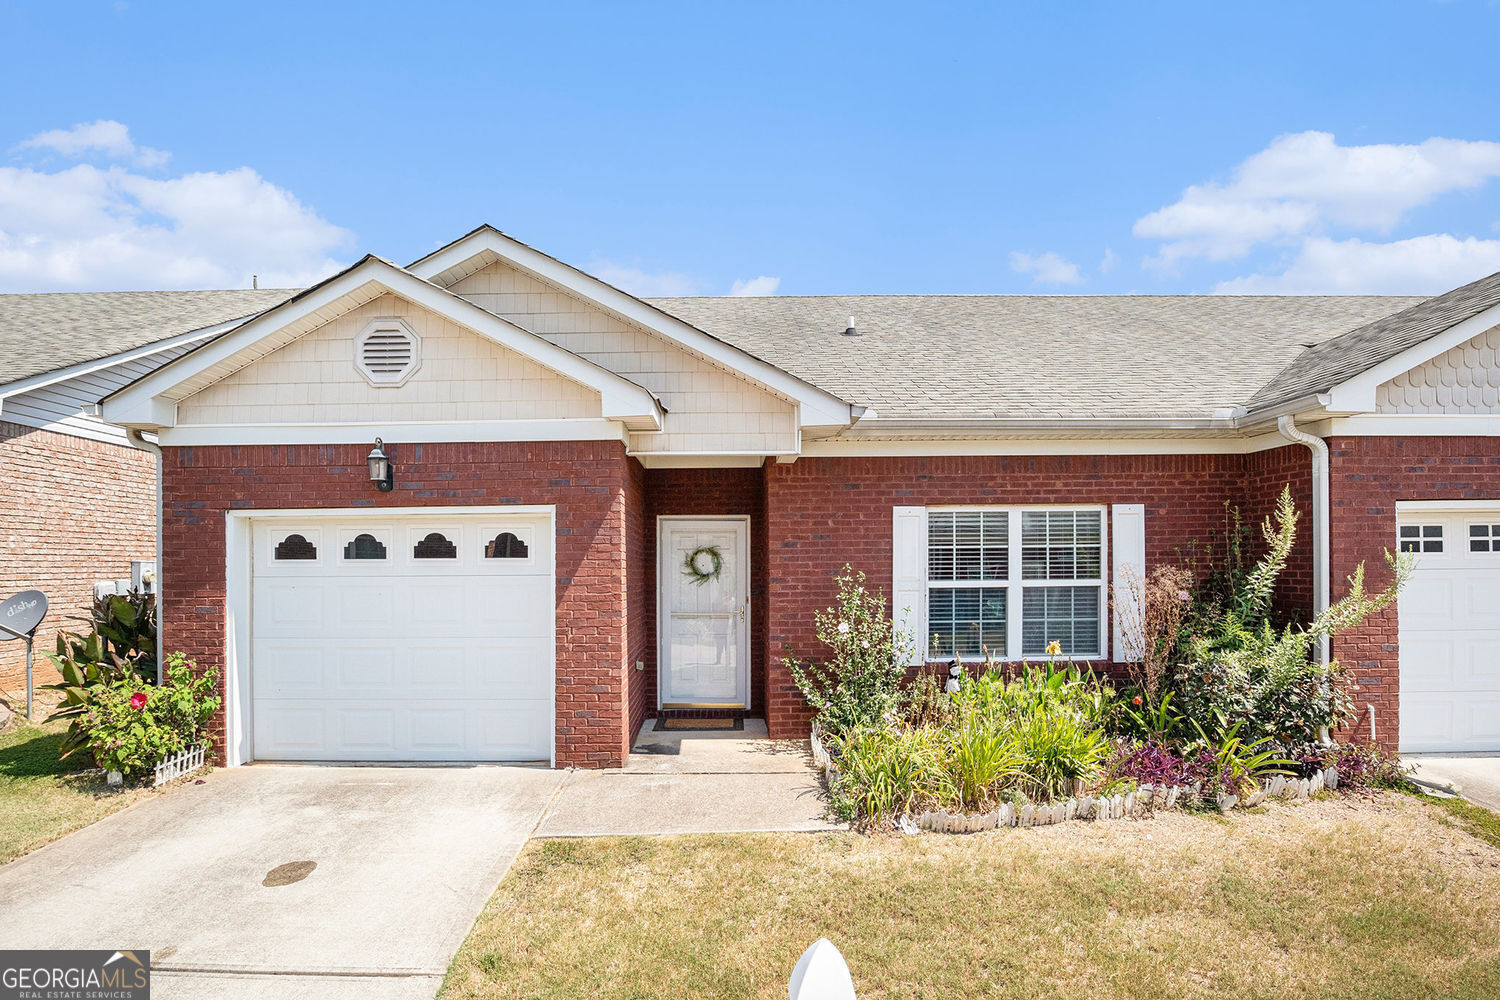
1367, 476
72, 512
704, 492
1267, 473
822, 513
640, 625
588, 481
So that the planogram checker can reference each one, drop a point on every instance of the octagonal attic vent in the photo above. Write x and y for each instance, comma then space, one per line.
387, 353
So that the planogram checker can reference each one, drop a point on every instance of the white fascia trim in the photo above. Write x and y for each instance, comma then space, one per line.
1417, 506
1412, 425
1357, 395
839, 448
303, 513
412, 432
723, 460
817, 405
621, 398
99, 364
921, 426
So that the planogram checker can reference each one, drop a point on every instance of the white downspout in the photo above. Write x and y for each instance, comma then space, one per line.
135, 438
1288, 428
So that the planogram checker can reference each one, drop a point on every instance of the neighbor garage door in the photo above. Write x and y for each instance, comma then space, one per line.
402, 638
1450, 631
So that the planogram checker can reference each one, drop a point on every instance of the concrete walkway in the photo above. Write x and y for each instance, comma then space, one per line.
406, 858
695, 782
1476, 777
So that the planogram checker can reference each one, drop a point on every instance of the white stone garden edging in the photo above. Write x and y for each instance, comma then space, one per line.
1143, 800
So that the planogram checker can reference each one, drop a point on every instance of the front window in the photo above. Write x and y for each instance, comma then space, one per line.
1010, 582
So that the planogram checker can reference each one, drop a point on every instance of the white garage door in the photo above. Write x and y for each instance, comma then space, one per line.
1450, 632
402, 638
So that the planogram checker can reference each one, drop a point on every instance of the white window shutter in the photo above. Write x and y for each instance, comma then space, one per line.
1128, 537
909, 578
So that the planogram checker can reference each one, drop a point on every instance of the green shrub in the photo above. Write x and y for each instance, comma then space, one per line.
859, 684
1238, 666
120, 648
129, 726
980, 757
1060, 751
887, 771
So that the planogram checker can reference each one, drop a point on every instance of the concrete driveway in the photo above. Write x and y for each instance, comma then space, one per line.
406, 858
1476, 777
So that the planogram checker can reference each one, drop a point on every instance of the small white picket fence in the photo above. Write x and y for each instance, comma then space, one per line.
1143, 800
179, 765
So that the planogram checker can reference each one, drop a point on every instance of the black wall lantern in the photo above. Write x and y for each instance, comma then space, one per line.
380, 467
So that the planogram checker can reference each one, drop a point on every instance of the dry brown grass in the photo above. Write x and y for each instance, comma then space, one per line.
1337, 898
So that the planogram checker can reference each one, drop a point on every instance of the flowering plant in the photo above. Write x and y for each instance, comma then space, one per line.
859, 684
130, 729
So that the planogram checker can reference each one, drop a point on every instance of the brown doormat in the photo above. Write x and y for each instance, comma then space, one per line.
698, 725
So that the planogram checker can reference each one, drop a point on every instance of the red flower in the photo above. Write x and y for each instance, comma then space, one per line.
1136, 700
138, 700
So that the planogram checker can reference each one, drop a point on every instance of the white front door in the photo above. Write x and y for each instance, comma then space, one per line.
404, 637
1450, 631
703, 627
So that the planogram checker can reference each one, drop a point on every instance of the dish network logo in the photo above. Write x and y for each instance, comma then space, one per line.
65, 975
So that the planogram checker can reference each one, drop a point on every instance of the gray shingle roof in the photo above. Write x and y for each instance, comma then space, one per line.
1034, 356
958, 356
43, 332
1345, 356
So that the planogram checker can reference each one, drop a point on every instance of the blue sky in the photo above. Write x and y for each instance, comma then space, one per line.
820, 148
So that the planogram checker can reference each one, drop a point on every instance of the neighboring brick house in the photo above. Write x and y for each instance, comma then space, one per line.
77, 500
487, 506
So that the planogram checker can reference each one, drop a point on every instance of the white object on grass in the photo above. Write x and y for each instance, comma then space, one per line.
821, 974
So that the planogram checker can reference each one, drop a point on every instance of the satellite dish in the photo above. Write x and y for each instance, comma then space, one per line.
20, 615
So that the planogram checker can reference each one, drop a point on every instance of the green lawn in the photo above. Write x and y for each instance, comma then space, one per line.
42, 798
1346, 898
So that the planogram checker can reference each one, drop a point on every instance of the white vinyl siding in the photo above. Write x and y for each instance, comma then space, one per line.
462, 377
708, 408
1009, 581
67, 405
1465, 379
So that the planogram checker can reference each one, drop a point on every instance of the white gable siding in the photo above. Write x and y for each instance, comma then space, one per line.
463, 377
67, 406
709, 409
1464, 380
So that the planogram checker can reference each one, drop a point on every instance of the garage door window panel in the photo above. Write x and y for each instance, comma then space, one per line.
507, 545
1484, 537
295, 547
1421, 538
366, 545
434, 545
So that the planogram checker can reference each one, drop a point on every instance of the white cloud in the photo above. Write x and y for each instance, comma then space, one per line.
1304, 182
644, 284
1423, 265
103, 136
1108, 261
102, 228
755, 286
1046, 268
